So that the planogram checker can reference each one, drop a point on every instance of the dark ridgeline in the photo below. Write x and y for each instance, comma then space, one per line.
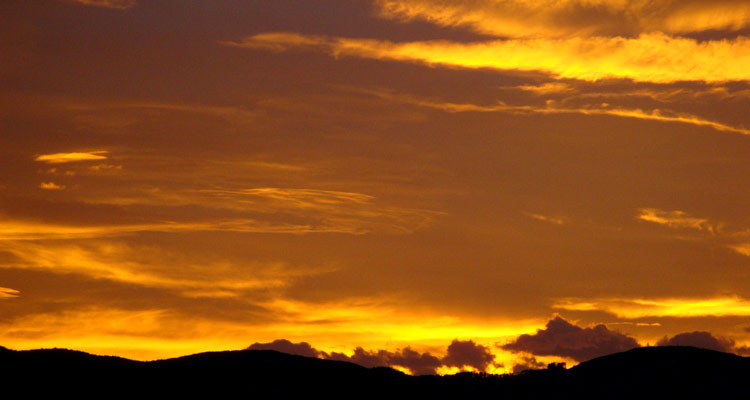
666, 372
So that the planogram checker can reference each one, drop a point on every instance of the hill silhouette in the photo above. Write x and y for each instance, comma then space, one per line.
644, 372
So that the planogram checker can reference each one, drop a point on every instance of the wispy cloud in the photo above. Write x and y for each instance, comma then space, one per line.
546, 88
308, 210
545, 218
561, 18
8, 293
742, 248
665, 307
113, 4
61, 158
675, 219
104, 260
652, 57
551, 108
14, 230
51, 186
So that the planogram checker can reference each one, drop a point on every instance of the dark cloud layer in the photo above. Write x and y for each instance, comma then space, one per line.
417, 363
285, 346
701, 339
563, 339
459, 354
527, 363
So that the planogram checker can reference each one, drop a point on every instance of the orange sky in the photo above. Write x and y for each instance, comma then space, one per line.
184, 176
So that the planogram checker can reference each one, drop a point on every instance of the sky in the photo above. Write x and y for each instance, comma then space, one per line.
434, 185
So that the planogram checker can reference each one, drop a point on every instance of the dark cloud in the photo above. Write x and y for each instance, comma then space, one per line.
561, 338
417, 363
459, 354
527, 363
742, 350
285, 346
704, 340
468, 354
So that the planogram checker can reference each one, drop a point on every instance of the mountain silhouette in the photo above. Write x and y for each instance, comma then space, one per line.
670, 372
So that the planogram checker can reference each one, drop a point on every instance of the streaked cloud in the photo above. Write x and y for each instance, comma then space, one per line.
119, 263
61, 158
545, 218
551, 108
652, 57
113, 113
19, 230
113, 4
676, 219
667, 307
8, 293
51, 186
546, 88
315, 210
523, 18
742, 248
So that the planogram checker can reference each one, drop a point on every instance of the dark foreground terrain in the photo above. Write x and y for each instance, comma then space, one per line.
661, 372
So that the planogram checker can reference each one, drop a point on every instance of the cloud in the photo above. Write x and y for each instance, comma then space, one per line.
307, 210
551, 108
704, 340
563, 339
666, 307
546, 88
459, 354
468, 354
285, 346
544, 218
60, 158
417, 363
113, 4
50, 186
8, 293
125, 264
527, 363
675, 219
20, 230
742, 248
561, 18
650, 57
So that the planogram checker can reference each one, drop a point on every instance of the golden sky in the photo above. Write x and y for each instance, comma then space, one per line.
434, 185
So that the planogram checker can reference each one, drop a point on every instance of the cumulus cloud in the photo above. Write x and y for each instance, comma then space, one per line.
701, 339
468, 354
285, 346
563, 339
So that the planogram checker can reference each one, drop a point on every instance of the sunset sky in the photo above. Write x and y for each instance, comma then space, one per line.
434, 185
